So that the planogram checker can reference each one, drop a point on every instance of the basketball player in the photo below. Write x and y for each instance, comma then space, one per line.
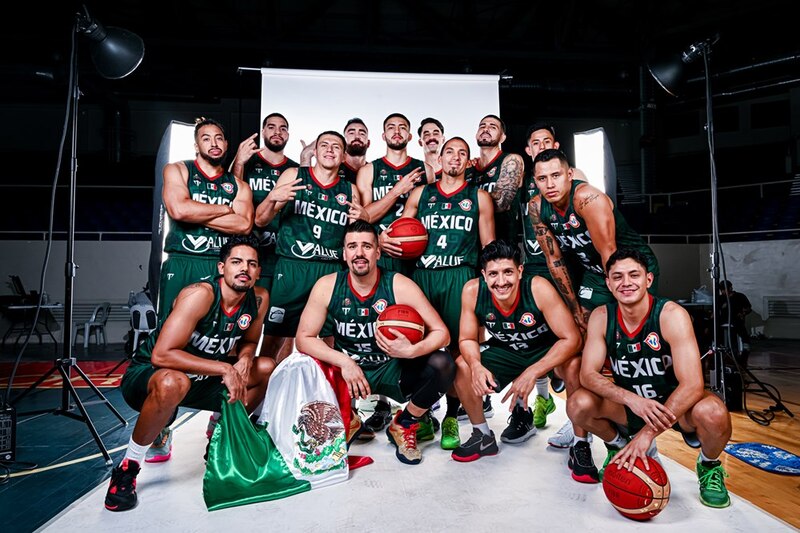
206, 346
499, 174
541, 136
384, 184
356, 135
459, 218
261, 168
573, 218
315, 205
348, 303
431, 137
658, 378
205, 204
532, 333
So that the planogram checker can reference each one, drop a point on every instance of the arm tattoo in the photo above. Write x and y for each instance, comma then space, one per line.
589, 199
550, 243
507, 183
534, 212
258, 301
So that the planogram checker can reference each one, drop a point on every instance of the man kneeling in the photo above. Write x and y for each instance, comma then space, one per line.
532, 332
207, 344
658, 379
349, 302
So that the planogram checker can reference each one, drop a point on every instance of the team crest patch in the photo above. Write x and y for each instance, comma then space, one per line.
490, 316
465, 204
341, 198
244, 321
383, 172
573, 221
346, 301
527, 319
492, 172
227, 187
432, 199
379, 306
653, 341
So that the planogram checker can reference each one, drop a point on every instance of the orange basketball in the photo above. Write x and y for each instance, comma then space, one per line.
404, 319
639, 494
413, 235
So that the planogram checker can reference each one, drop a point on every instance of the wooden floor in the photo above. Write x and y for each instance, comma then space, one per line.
777, 364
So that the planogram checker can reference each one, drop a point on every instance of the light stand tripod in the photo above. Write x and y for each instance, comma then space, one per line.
670, 75
116, 53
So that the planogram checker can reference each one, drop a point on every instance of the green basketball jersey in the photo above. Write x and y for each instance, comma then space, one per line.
506, 223
351, 318
262, 175
312, 227
217, 333
523, 329
452, 224
573, 236
641, 360
533, 253
196, 239
384, 176
347, 173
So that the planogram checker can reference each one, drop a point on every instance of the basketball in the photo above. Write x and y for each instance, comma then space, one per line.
639, 494
413, 235
404, 319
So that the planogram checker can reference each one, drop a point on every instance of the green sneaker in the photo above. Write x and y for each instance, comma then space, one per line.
450, 437
542, 408
712, 484
612, 451
426, 428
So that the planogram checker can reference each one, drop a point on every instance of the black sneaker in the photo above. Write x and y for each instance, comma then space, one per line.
380, 418
520, 426
557, 384
478, 445
582, 464
488, 412
121, 494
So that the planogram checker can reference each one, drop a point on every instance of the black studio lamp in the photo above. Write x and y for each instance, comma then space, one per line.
670, 71
116, 52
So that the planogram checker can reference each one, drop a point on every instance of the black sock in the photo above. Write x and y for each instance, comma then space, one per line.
453, 403
380, 405
406, 418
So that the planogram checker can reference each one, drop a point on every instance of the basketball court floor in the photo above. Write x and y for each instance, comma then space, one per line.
524, 487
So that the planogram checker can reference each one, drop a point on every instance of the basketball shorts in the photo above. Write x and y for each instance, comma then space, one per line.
403, 266
268, 263
291, 286
205, 393
177, 272
506, 365
385, 380
443, 287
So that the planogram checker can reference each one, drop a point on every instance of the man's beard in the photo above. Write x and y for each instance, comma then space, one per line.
453, 171
485, 143
216, 161
275, 148
397, 146
356, 150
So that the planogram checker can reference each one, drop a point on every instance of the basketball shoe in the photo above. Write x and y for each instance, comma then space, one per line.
582, 464
711, 478
404, 438
563, 437
121, 494
520, 426
478, 445
542, 408
488, 411
161, 449
380, 417
428, 426
450, 435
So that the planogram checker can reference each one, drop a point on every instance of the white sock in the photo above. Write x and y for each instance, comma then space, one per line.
704, 459
136, 452
618, 441
483, 427
543, 387
520, 403
578, 439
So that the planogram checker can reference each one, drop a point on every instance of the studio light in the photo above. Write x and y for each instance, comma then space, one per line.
116, 53
670, 71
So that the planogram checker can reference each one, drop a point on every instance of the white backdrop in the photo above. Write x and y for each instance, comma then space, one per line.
314, 101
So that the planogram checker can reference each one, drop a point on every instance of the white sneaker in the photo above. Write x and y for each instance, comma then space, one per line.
564, 437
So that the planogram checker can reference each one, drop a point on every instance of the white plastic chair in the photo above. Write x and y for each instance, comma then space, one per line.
96, 324
143, 321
